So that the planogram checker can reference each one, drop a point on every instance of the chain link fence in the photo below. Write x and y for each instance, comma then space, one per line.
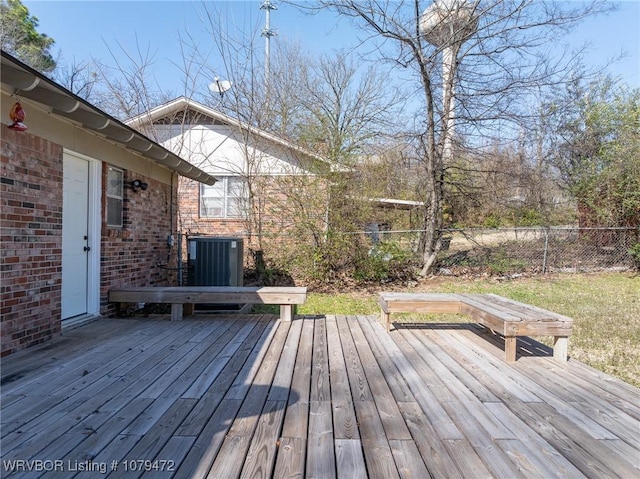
382, 255
503, 251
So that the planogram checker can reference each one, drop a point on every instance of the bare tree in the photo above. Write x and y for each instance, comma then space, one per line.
126, 88
80, 78
326, 105
346, 107
496, 61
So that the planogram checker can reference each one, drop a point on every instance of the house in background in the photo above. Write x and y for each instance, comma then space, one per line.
270, 192
88, 204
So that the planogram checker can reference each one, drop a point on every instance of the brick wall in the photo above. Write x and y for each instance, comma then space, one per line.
31, 242
138, 254
288, 210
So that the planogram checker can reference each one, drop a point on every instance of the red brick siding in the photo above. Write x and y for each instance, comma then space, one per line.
283, 205
31, 242
137, 254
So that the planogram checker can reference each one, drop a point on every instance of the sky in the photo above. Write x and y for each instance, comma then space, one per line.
89, 28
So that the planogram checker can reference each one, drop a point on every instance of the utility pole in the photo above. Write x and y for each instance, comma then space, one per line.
267, 33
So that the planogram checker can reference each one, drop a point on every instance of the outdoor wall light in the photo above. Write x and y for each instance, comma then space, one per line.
139, 185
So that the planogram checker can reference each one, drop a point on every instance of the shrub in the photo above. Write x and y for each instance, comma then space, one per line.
634, 251
528, 217
386, 261
500, 263
492, 221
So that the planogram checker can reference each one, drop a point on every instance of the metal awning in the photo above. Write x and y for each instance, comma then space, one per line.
396, 204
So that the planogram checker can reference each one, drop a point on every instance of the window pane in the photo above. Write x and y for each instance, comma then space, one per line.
114, 183
115, 194
215, 191
235, 207
235, 187
211, 207
227, 198
114, 212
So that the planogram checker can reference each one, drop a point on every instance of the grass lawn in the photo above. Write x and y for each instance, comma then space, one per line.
605, 309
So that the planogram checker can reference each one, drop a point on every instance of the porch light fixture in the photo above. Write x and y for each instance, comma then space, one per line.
139, 185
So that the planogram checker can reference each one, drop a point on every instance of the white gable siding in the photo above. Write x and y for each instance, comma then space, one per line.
223, 150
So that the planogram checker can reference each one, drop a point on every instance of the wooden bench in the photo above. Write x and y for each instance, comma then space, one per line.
504, 316
178, 296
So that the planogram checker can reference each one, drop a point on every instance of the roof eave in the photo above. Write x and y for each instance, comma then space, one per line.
181, 103
31, 85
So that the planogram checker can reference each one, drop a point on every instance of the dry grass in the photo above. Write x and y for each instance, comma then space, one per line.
605, 308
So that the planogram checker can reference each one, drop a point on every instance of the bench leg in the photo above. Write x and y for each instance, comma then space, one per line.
560, 348
386, 319
286, 312
510, 349
188, 308
176, 311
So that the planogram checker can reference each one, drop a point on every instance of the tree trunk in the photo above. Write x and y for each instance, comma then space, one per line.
430, 242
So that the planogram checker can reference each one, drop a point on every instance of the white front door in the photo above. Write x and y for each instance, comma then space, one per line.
75, 236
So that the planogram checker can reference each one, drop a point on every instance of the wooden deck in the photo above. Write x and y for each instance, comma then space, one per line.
251, 396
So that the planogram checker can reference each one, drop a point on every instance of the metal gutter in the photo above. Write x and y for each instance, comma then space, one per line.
21, 80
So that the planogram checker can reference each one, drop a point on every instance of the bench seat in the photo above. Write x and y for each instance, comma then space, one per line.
178, 296
502, 315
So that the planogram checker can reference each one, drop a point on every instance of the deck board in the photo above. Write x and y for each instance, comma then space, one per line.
229, 396
344, 415
291, 456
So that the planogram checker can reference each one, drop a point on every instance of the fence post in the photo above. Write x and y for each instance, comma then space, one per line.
546, 248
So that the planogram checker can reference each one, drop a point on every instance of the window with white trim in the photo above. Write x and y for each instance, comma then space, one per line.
115, 197
225, 199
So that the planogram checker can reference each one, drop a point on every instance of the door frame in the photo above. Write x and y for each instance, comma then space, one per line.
94, 225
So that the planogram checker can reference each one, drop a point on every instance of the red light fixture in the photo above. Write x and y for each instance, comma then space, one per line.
17, 117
